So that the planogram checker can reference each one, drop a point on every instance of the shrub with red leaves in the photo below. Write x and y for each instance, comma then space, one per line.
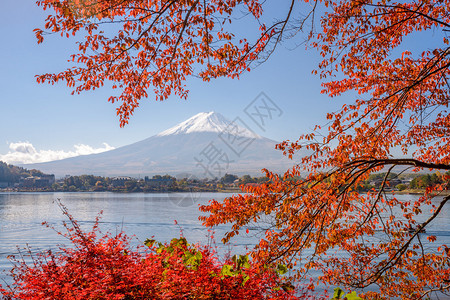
107, 267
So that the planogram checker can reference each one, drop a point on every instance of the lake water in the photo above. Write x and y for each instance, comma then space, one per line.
141, 215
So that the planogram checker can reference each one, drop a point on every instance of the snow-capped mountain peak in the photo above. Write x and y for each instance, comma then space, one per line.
206, 145
208, 122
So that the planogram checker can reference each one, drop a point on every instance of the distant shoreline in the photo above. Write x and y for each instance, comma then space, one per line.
223, 190
227, 190
418, 192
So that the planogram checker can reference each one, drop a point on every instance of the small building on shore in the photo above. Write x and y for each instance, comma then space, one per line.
37, 181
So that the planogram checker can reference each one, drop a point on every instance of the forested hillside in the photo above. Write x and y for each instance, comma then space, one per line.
12, 174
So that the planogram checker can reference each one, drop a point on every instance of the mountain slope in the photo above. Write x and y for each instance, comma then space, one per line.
206, 145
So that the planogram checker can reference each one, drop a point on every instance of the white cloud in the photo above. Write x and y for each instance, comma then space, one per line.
26, 153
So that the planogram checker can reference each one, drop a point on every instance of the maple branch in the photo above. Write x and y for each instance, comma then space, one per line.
439, 289
400, 162
425, 73
270, 35
155, 21
343, 45
207, 32
180, 35
185, 23
406, 9
280, 35
370, 213
399, 253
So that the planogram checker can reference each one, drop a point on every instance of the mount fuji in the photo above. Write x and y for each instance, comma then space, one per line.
206, 145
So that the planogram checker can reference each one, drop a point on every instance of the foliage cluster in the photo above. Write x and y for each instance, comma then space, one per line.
102, 266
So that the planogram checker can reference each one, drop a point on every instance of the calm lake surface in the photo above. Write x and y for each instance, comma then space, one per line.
141, 215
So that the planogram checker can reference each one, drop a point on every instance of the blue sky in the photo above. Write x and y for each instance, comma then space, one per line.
51, 119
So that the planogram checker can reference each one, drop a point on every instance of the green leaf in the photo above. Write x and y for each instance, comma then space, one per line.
246, 265
165, 264
281, 269
149, 242
234, 258
287, 286
353, 296
227, 270
164, 273
191, 261
337, 293
241, 261
246, 278
244, 260
182, 241
212, 274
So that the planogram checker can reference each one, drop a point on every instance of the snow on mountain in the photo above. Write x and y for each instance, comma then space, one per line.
209, 122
